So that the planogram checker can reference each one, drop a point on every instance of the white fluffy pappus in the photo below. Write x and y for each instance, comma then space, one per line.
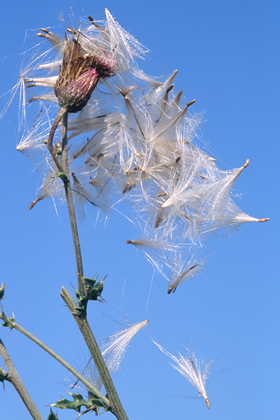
116, 345
195, 371
139, 148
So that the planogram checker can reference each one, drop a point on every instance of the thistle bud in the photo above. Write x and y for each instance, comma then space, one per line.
79, 75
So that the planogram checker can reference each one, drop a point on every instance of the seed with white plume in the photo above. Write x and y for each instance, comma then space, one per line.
113, 352
51, 187
139, 146
116, 346
34, 140
194, 370
188, 271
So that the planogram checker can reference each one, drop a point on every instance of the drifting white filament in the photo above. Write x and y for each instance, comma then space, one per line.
192, 369
139, 148
117, 344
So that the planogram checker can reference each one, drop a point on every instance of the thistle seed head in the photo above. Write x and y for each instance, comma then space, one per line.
79, 75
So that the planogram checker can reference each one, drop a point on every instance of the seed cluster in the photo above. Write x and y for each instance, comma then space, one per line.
140, 147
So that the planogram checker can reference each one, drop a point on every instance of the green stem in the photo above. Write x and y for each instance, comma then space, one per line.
70, 204
14, 378
10, 322
52, 151
64, 141
95, 352
63, 167
82, 322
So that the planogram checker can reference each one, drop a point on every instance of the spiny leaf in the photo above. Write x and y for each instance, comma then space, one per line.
52, 416
3, 375
92, 404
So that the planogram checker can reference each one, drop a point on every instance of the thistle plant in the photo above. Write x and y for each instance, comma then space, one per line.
107, 132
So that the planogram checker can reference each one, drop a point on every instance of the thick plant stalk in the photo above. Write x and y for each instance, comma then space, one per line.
85, 329
63, 168
70, 204
11, 323
14, 378
82, 322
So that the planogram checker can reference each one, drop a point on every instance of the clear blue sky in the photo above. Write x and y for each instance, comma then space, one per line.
227, 54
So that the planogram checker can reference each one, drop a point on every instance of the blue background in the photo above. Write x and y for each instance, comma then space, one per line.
227, 54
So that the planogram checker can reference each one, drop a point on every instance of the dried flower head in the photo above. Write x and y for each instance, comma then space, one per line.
79, 75
94, 52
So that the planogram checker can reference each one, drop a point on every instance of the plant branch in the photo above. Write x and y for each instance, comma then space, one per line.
14, 378
79, 313
95, 352
70, 204
11, 323
63, 167
52, 150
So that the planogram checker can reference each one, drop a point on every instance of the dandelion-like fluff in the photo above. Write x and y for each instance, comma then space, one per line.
140, 146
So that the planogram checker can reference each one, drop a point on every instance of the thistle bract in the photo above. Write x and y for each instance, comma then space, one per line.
79, 75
